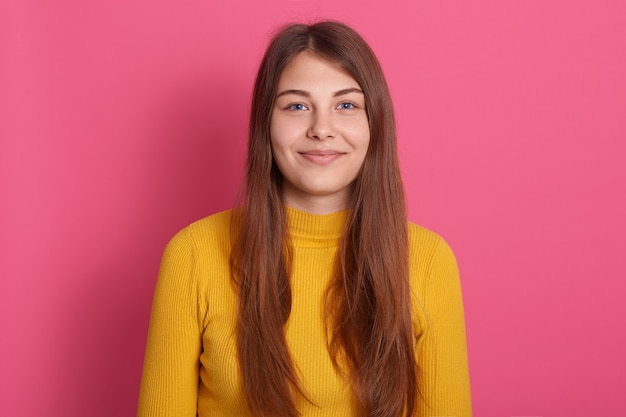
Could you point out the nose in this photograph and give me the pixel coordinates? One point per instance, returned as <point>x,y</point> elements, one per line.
<point>321,127</point>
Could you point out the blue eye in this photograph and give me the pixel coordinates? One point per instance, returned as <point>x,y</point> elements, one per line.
<point>346,106</point>
<point>297,106</point>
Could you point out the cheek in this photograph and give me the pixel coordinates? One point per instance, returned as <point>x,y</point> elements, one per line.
<point>363,138</point>
<point>282,133</point>
<point>277,133</point>
<point>273,131</point>
<point>359,131</point>
<point>280,150</point>
<point>278,144</point>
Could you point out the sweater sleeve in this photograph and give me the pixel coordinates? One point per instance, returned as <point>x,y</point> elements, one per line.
<point>169,383</point>
<point>442,350</point>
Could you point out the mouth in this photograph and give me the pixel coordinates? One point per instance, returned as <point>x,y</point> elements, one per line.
<point>319,157</point>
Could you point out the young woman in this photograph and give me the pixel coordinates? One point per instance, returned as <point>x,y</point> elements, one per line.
<point>316,297</point>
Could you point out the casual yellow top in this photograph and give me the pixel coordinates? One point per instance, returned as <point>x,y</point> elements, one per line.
<point>191,362</point>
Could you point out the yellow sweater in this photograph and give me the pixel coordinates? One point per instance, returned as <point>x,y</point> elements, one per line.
<point>190,364</point>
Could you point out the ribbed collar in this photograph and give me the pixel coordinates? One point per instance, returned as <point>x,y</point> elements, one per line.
<point>317,230</point>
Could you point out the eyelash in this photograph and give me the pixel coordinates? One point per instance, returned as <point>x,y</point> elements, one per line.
<point>294,107</point>
<point>341,106</point>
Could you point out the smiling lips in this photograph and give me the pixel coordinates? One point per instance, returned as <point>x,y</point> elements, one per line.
<point>321,157</point>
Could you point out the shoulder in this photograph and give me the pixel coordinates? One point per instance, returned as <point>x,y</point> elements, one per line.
<point>216,223</point>
<point>207,229</point>
<point>209,235</point>
<point>197,257</point>
<point>426,243</point>
<point>430,257</point>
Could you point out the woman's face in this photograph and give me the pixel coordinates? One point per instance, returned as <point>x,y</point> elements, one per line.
<point>319,134</point>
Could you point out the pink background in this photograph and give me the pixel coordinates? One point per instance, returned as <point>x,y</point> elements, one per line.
<point>123,121</point>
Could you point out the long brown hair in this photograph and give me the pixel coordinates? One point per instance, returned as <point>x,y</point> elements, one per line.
<point>368,302</point>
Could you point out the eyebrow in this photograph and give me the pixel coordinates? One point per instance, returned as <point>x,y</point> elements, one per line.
<point>307,94</point>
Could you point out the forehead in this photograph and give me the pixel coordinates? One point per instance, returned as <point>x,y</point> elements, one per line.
<point>310,71</point>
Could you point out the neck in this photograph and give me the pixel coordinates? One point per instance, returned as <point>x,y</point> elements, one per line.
<point>316,204</point>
